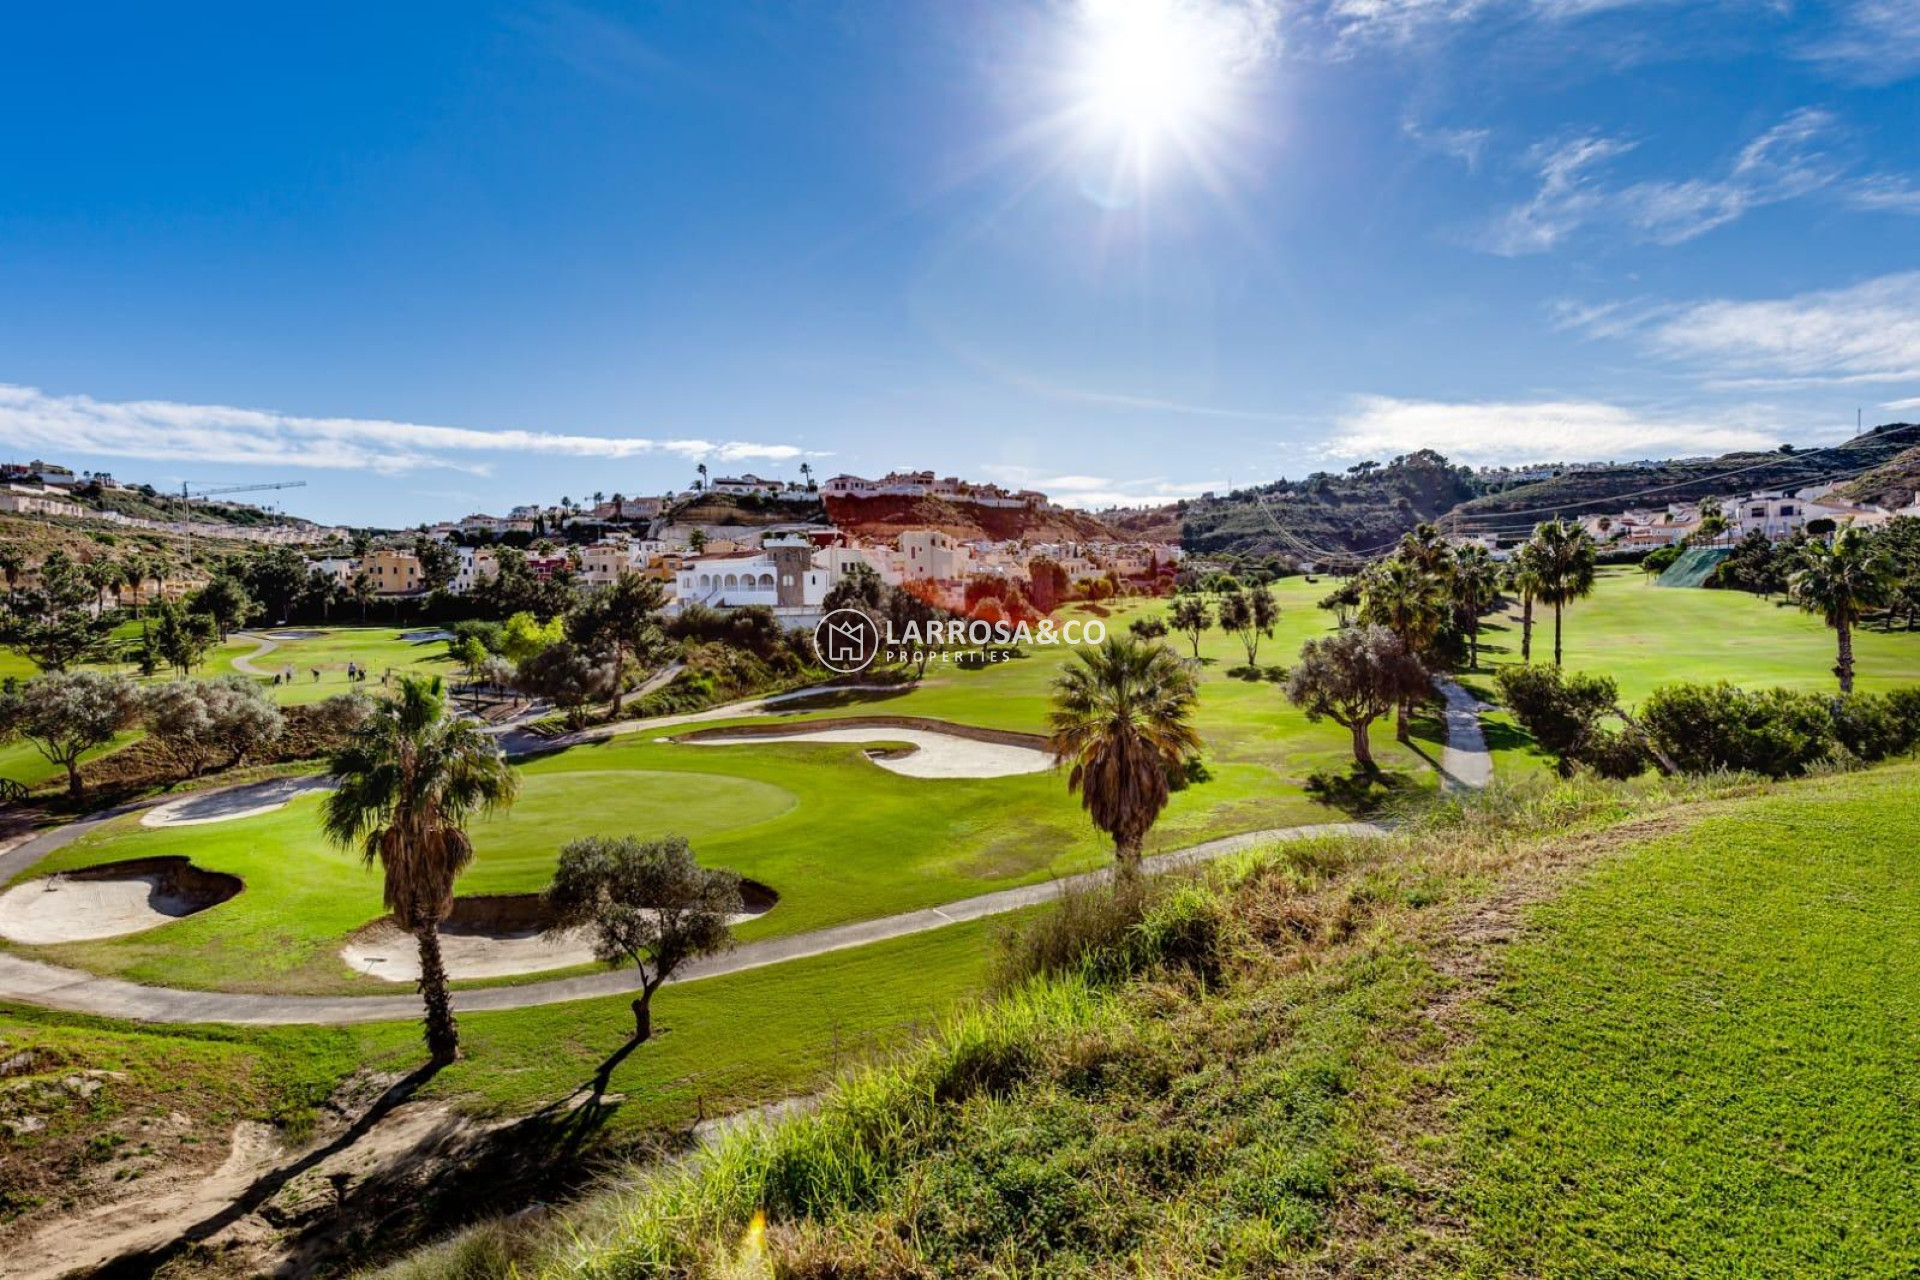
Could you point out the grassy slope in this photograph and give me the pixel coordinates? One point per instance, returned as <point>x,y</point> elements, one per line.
<point>1702,1061</point>
<point>1697,1063</point>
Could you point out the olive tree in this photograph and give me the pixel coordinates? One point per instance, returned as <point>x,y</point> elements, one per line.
<point>644,902</point>
<point>66,714</point>
<point>1354,677</point>
<point>201,722</point>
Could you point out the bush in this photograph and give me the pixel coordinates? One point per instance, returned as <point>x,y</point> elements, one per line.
<point>1111,931</point>
<point>1775,732</point>
<point>1564,713</point>
<point>1873,727</point>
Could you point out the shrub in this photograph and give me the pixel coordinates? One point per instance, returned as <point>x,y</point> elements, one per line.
<point>1564,713</point>
<point>1775,732</point>
<point>1112,930</point>
<point>1873,727</point>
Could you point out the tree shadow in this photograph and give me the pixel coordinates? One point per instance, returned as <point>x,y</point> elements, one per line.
<point>1358,793</point>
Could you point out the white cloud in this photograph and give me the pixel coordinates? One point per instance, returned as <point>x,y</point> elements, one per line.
<point>32,420</point>
<point>1088,492</point>
<point>1464,145</point>
<point>1876,41</point>
<point>1867,333</point>
<point>1786,162</point>
<point>1885,192</point>
<point>1499,432</point>
<point>1901,406</point>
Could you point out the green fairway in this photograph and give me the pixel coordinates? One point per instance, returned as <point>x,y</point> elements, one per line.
<point>328,650</point>
<point>1645,636</point>
<point>1701,1060</point>
<point>838,837</point>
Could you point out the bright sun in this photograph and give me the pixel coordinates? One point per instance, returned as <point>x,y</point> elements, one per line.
<point>1149,73</point>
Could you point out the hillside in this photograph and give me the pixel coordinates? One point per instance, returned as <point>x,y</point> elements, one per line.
<point>1588,492</point>
<point>1363,508</point>
<point>1892,484</point>
<point>887,517</point>
<point>739,509</point>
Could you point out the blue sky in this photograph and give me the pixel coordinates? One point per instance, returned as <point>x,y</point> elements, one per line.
<point>438,258</point>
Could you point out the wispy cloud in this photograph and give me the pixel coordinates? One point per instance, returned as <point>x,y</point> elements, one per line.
<point>1464,145</point>
<point>1875,41</point>
<point>1787,162</point>
<point>1494,432</point>
<point>32,420</point>
<point>1093,492</point>
<point>1867,333</point>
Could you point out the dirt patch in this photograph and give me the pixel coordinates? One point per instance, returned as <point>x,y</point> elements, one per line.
<point>110,900</point>
<point>494,936</point>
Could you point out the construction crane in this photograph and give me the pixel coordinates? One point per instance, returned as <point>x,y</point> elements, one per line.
<point>190,493</point>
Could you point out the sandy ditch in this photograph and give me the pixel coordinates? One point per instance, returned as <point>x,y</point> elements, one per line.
<point>933,752</point>
<point>233,803</point>
<point>493,936</point>
<point>110,900</point>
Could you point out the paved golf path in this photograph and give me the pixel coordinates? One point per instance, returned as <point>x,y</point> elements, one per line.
<point>1465,763</point>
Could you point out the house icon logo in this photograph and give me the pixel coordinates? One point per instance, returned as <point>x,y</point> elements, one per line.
<point>846,641</point>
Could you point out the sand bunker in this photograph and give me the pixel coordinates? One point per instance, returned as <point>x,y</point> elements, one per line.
<point>494,936</point>
<point>293,635</point>
<point>934,754</point>
<point>109,900</point>
<point>231,804</point>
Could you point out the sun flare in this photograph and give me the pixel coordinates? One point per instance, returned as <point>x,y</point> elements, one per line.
<point>1149,74</point>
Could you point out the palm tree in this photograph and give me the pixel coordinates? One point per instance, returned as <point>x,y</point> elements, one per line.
<point>1566,558</point>
<point>1840,581</point>
<point>1713,523</point>
<point>13,563</point>
<point>1410,602</point>
<point>103,575</point>
<point>806,475</point>
<point>134,566</point>
<point>1122,718</point>
<point>702,469</point>
<point>1474,580</point>
<point>1523,579</point>
<point>407,782</point>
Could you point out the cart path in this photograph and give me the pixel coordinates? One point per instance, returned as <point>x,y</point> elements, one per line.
<point>1465,761</point>
<point>55,987</point>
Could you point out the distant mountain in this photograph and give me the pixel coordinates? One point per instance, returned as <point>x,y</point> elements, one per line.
<point>1894,483</point>
<point>1591,492</point>
<point>1358,510</point>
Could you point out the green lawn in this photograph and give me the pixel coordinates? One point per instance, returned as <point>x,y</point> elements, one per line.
<point>1645,636</point>
<point>378,649</point>
<point>837,836</point>
<point>1701,1061</point>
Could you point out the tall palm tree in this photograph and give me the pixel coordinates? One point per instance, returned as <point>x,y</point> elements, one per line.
<point>1428,548</point>
<point>1474,580</point>
<point>407,782</point>
<point>1410,602</point>
<point>1566,559</point>
<point>1841,581</point>
<point>13,563</point>
<point>1122,719</point>
<point>134,566</point>
<point>1523,579</point>
<point>103,575</point>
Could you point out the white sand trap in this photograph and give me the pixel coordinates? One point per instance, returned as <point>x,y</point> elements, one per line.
<point>490,938</point>
<point>105,902</point>
<point>291,636</point>
<point>934,754</point>
<point>233,803</point>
